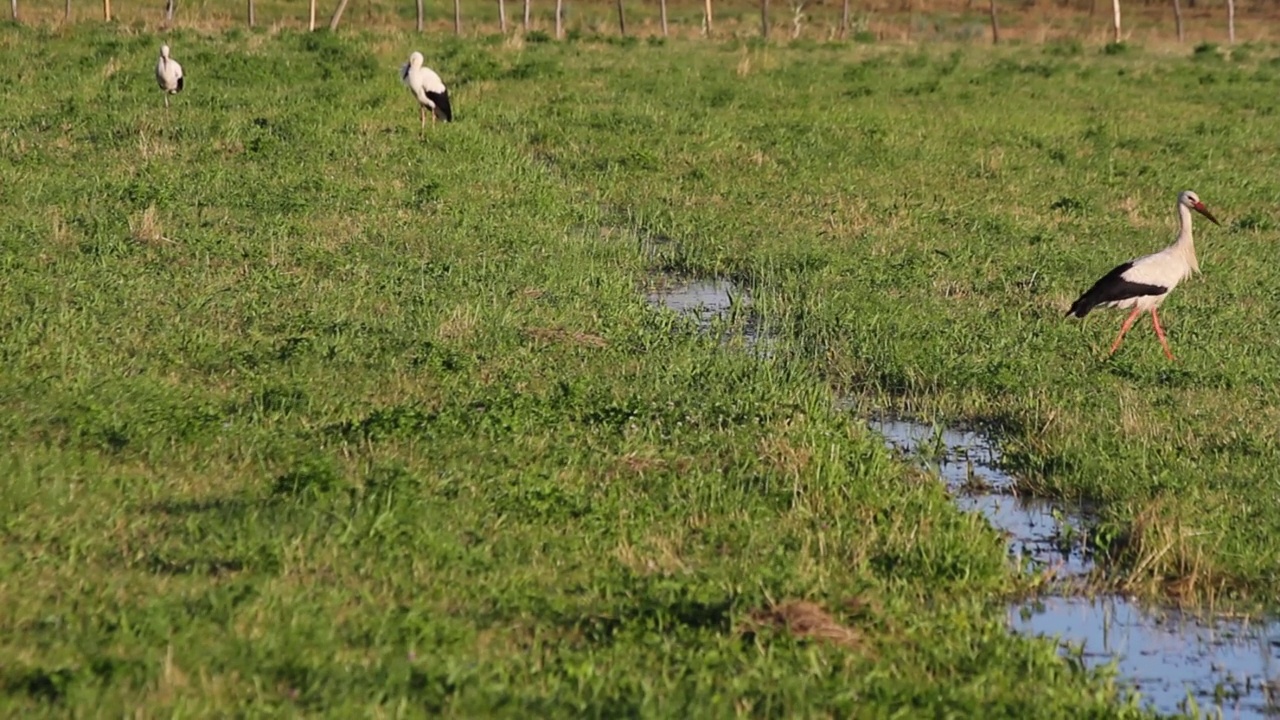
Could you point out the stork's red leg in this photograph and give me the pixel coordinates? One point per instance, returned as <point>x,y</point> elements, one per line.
<point>1155,320</point>
<point>1128,323</point>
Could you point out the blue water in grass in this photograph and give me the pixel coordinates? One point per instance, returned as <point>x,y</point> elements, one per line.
<point>1226,666</point>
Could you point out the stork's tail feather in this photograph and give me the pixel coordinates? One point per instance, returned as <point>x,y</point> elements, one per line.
<point>440,105</point>
<point>442,109</point>
<point>1111,287</point>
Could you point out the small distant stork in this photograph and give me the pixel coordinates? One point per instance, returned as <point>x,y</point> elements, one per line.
<point>1143,283</point>
<point>427,87</point>
<point>168,74</point>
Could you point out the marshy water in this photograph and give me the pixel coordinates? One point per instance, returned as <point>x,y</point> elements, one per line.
<point>707,301</point>
<point>1163,654</point>
<point>703,300</point>
<point>1224,664</point>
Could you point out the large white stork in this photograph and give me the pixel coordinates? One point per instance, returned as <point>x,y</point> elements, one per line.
<point>1143,283</point>
<point>427,87</point>
<point>168,74</point>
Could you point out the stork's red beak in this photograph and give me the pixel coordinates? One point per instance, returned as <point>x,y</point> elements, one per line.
<point>1200,208</point>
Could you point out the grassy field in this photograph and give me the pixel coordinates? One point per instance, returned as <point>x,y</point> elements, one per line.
<point>308,412</point>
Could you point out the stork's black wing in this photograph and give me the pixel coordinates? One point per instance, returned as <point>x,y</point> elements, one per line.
<point>1113,287</point>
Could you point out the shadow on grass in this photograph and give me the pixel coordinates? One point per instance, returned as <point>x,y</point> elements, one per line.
<point>220,506</point>
<point>52,685</point>
<point>211,566</point>
<point>646,614</point>
<point>1172,377</point>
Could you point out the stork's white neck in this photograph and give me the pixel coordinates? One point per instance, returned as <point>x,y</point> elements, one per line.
<point>1185,246</point>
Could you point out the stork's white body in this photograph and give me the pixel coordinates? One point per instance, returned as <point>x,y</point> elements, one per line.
<point>1163,269</point>
<point>1143,283</point>
<point>427,88</point>
<point>168,74</point>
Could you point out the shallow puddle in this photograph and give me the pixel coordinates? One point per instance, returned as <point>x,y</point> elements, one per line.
<point>1227,665</point>
<point>703,300</point>
<point>1040,535</point>
<point>1166,656</point>
<point>708,301</point>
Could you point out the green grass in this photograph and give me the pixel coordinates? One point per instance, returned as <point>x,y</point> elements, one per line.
<point>307,412</point>
<point>918,222</point>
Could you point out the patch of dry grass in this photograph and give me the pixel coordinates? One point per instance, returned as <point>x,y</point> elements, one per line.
<point>552,335</point>
<point>803,619</point>
<point>145,229</point>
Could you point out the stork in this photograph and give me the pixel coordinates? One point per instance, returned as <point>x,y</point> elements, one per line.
<point>427,87</point>
<point>1143,283</point>
<point>168,74</point>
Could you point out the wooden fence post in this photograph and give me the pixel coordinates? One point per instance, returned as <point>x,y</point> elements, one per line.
<point>420,11</point>
<point>662,4</point>
<point>502,16</point>
<point>106,10</point>
<point>457,17</point>
<point>995,24</point>
<point>764,19</point>
<point>622,20</point>
<point>1231,21</point>
<point>527,8</point>
<point>1115,19</point>
<point>252,15</point>
<point>559,19</point>
<point>337,15</point>
<point>1177,19</point>
<point>706,18</point>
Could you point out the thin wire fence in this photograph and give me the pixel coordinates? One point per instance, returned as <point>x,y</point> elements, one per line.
<point>830,20</point>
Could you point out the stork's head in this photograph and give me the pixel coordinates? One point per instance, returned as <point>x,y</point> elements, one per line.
<point>1192,201</point>
<point>164,51</point>
<point>415,60</point>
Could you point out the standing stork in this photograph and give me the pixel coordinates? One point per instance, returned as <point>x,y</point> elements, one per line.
<point>1143,283</point>
<point>168,74</point>
<point>427,87</point>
